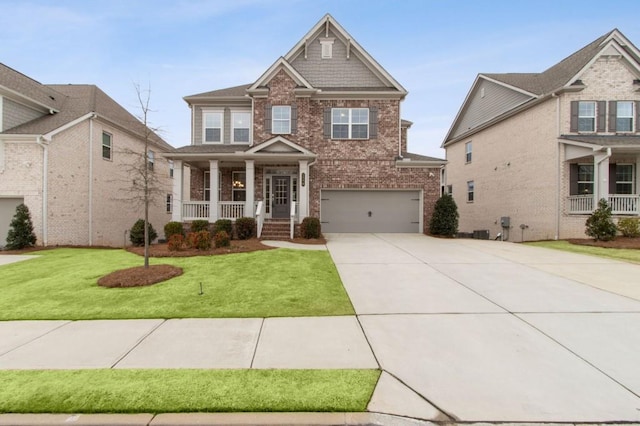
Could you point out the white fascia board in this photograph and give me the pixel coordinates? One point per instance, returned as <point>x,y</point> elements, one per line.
<point>614,43</point>
<point>463,108</point>
<point>26,100</point>
<point>281,63</point>
<point>51,134</point>
<point>509,86</point>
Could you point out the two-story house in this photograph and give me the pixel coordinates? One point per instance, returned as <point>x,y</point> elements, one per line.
<point>319,134</point>
<point>67,152</point>
<point>530,154</point>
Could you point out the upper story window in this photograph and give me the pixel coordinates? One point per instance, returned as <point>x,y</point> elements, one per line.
<point>624,116</point>
<point>350,123</point>
<point>241,125</point>
<point>213,122</point>
<point>586,116</point>
<point>150,159</point>
<point>171,168</point>
<point>106,146</point>
<point>468,149</point>
<point>281,119</point>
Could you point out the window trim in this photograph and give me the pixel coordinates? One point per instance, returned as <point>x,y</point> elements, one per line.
<point>350,124</point>
<point>238,190</point>
<point>151,159</point>
<point>594,118</point>
<point>169,203</point>
<point>206,112</point>
<point>468,151</point>
<point>233,127</point>
<point>110,147</point>
<point>632,117</point>
<point>275,120</point>
<point>471,190</point>
<point>171,168</point>
<point>591,182</point>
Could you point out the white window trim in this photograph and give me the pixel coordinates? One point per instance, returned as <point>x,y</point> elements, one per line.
<point>246,111</point>
<point>204,126</point>
<point>468,152</point>
<point>632,117</point>
<point>171,168</point>
<point>471,191</point>
<point>351,123</point>
<point>169,203</point>
<point>274,120</point>
<point>110,146</point>
<point>592,181</point>
<point>632,181</point>
<point>326,48</point>
<point>151,159</point>
<point>594,117</point>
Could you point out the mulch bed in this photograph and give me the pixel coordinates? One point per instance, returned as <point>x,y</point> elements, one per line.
<point>619,243</point>
<point>139,276</point>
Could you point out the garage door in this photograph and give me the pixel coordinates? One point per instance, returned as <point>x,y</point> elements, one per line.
<point>370,211</point>
<point>7,211</point>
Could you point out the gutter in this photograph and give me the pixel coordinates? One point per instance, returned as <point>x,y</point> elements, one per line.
<point>44,143</point>
<point>90,203</point>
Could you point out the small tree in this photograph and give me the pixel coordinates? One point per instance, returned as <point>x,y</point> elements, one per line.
<point>21,234</point>
<point>445,217</point>
<point>599,225</point>
<point>139,237</point>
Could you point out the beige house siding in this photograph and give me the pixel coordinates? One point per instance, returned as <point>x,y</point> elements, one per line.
<point>515,175</point>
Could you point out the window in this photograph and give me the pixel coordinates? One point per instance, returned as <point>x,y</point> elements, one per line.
<point>586,116</point>
<point>207,186</point>
<point>169,203</point>
<point>585,179</point>
<point>470,191</point>
<point>624,178</point>
<point>213,127</point>
<point>240,122</point>
<point>350,123</point>
<point>281,119</point>
<point>468,151</point>
<point>624,116</point>
<point>239,186</point>
<point>170,168</point>
<point>106,146</point>
<point>150,159</point>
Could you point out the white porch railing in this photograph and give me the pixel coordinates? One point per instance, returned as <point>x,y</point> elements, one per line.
<point>230,209</point>
<point>259,218</point>
<point>620,204</point>
<point>195,210</point>
<point>293,219</point>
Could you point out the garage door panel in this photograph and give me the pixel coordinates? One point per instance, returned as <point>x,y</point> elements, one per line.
<point>370,211</point>
<point>7,211</point>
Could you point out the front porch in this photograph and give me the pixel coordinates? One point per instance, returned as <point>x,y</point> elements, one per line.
<point>620,204</point>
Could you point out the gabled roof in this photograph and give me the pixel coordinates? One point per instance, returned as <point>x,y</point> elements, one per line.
<point>28,90</point>
<point>562,76</point>
<point>235,92</point>
<point>281,64</point>
<point>279,145</point>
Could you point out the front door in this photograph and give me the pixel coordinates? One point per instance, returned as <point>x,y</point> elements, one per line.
<point>281,202</point>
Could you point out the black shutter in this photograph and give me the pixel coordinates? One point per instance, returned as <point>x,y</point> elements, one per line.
<point>574,117</point>
<point>613,116</point>
<point>637,106</point>
<point>612,178</point>
<point>294,118</point>
<point>602,116</point>
<point>373,123</point>
<point>327,123</point>
<point>573,179</point>
<point>267,118</point>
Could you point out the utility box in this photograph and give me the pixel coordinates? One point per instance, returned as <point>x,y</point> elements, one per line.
<point>505,221</point>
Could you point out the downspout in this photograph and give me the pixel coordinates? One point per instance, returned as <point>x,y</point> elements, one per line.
<point>400,129</point>
<point>558,178</point>
<point>91,180</point>
<point>40,140</point>
<point>252,123</point>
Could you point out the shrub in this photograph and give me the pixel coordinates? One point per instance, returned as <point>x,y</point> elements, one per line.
<point>245,228</point>
<point>444,220</point>
<point>599,225</point>
<point>21,233</point>
<point>191,241</point>
<point>222,239</point>
<point>173,228</point>
<point>629,227</point>
<point>223,225</point>
<point>176,242</point>
<point>310,228</point>
<point>203,240</point>
<point>199,225</point>
<point>136,235</point>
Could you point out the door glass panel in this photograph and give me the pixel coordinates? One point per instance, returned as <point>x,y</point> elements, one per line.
<point>280,192</point>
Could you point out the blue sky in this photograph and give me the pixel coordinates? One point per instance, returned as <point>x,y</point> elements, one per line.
<point>434,49</point>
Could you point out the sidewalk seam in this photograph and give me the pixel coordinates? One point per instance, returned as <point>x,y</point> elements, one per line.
<point>142,339</point>
<point>67,322</point>
<point>255,350</point>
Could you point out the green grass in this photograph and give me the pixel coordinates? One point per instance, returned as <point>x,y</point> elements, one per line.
<point>627,255</point>
<point>163,391</point>
<point>62,284</point>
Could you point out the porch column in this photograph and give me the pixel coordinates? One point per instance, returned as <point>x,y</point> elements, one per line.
<point>178,194</point>
<point>213,190</point>
<point>303,193</point>
<point>601,177</point>
<point>250,190</point>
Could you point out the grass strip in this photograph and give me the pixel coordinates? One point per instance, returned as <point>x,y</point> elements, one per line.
<point>626,255</point>
<point>62,284</point>
<point>173,391</point>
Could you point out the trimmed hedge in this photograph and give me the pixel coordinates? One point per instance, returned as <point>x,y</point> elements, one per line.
<point>199,225</point>
<point>310,228</point>
<point>173,228</point>
<point>136,235</point>
<point>222,239</point>
<point>245,228</point>
<point>223,225</point>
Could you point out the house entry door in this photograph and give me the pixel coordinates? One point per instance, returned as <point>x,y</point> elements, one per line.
<point>281,201</point>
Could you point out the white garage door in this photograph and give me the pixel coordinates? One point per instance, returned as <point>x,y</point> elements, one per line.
<point>370,211</point>
<point>7,211</point>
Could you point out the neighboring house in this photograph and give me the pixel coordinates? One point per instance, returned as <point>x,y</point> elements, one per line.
<point>65,152</point>
<point>318,134</point>
<point>540,149</point>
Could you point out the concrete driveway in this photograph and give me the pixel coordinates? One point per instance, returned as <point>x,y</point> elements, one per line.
<point>489,331</point>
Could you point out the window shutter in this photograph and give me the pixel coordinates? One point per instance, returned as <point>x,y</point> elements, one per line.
<point>637,107</point>
<point>612,178</point>
<point>373,123</point>
<point>327,123</point>
<point>294,118</point>
<point>613,115</point>
<point>267,118</point>
<point>602,116</point>
<point>573,179</point>
<point>574,121</point>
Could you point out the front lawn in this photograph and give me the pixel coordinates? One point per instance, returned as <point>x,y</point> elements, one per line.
<point>172,391</point>
<point>627,255</point>
<point>61,284</point>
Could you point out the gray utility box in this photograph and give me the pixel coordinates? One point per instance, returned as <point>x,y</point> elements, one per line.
<point>505,221</point>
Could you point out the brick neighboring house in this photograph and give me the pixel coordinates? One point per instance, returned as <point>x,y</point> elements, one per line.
<point>540,149</point>
<point>318,134</point>
<point>63,152</point>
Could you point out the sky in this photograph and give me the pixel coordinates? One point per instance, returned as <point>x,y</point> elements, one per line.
<point>435,49</point>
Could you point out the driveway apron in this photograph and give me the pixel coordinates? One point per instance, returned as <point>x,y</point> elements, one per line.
<point>487,331</point>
